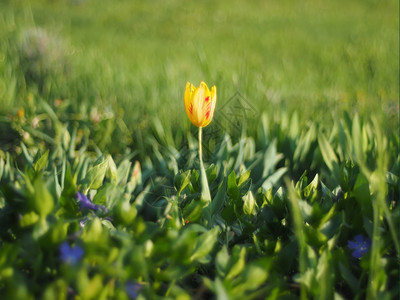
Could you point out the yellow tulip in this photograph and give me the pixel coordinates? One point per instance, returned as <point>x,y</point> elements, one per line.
<point>200,103</point>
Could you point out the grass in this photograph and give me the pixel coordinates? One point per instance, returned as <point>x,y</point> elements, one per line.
<point>101,192</point>
<point>342,55</point>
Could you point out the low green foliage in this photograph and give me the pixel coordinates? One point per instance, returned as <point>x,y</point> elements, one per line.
<point>77,222</point>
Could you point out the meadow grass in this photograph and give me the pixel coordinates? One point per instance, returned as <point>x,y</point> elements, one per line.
<point>304,56</point>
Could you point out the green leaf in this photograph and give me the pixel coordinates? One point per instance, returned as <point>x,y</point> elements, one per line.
<point>68,194</point>
<point>303,148</point>
<point>56,234</point>
<point>181,181</point>
<point>244,177</point>
<point>26,154</point>
<point>95,176</point>
<point>109,195</point>
<point>348,277</point>
<point>253,276</point>
<point>123,171</point>
<point>193,211</point>
<point>205,190</point>
<point>220,290</point>
<point>311,189</point>
<point>41,163</point>
<point>314,237</point>
<point>28,219</point>
<point>274,178</point>
<point>331,222</point>
<point>392,179</point>
<point>324,276</point>
<point>125,212</point>
<point>228,213</point>
<point>205,243</point>
<point>269,159</point>
<point>244,188</point>
<point>136,178</point>
<point>93,232</point>
<point>222,261</point>
<point>47,108</point>
<point>328,154</point>
<point>219,199</point>
<point>263,132</point>
<point>41,135</point>
<point>358,141</point>
<point>194,180</point>
<point>236,263</point>
<point>233,189</point>
<point>249,203</point>
<point>42,200</point>
<point>212,172</point>
<point>362,194</point>
<point>112,170</point>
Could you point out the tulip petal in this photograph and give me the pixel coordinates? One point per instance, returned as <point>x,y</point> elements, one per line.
<point>188,100</point>
<point>209,107</point>
<point>213,102</point>
<point>188,95</point>
<point>200,103</point>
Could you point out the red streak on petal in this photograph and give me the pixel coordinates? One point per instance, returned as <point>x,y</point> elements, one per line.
<point>207,114</point>
<point>207,98</point>
<point>191,108</point>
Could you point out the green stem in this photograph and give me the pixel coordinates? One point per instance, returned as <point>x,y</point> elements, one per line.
<point>205,190</point>
<point>374,281</point>
<point>200,145</point>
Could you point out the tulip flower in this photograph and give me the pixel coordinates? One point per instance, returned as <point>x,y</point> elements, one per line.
<point>200,103</point>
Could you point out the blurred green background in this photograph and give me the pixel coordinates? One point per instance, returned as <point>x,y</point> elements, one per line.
<point>133,58</point>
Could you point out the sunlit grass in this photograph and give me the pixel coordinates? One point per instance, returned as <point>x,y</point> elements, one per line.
<point>302,55</point>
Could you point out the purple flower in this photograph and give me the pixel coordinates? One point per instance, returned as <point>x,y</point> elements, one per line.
<point>132,289</point>
<point>360,246</point>
<point>85,202</point>
<point>70,255</point>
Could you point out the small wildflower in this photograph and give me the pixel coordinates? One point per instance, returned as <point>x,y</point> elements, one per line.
<point>25,135</point>
<point>360,246</point>
<point>35,122</point>
<point>71,255</point>
<point>132,289</point>
<point>95,116</point>
<point>85,202</point>
<point>20,113</point>
<point>58,102</point>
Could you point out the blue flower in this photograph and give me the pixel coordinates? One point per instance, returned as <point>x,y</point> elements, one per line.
<point>132,289</point>
<point>71,255</point>
<point>360,246</point>
<point>85,202</point>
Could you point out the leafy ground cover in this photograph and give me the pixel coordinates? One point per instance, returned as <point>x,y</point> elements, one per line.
<point>100,183</point>
<point>75,222</point>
